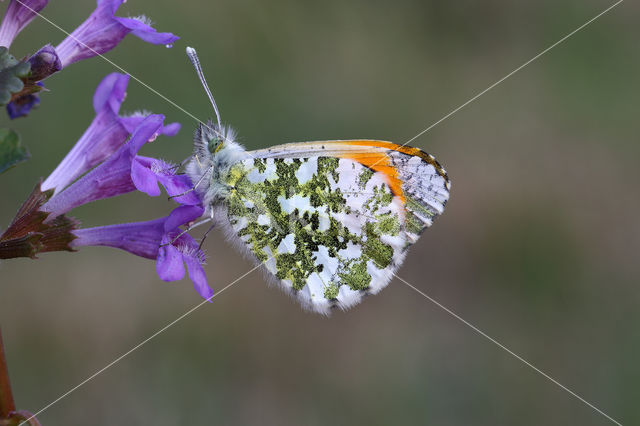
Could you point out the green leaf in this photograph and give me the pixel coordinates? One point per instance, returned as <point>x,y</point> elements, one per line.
<point>11,73</point>
<point>11,153</point>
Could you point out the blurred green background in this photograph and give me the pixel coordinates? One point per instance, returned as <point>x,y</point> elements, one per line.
<point>538,247</point>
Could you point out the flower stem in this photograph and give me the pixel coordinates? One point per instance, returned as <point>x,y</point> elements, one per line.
<point>7,405</point>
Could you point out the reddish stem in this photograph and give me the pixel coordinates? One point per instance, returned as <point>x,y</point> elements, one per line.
<point>7,405</point>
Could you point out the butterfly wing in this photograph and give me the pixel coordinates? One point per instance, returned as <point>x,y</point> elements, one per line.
<point>332,220</point>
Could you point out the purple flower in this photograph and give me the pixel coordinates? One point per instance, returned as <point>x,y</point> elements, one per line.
<point>102,31</point>
<point>156,239</point>
<point>124,171</point>
<point>18,16</point>
<point>147,173</point>
<point>99,33</point>
<point>140,238</point>
<point>43,63</point>
<point>21,106</point>
<point>176,251</point>
<point>110,178</point>
<point>107,132</point>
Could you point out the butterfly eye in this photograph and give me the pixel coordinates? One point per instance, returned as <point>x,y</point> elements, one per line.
<point>213,144</point>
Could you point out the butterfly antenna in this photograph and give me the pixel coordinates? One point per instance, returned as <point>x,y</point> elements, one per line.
<point>193,57</point>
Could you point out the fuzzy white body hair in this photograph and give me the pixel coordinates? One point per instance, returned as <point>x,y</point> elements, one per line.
<point>206,167</point>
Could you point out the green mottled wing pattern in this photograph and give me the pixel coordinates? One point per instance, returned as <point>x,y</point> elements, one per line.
<point>329,230</point>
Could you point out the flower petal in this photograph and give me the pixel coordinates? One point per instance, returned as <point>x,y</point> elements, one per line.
<point>95,36</point>
<point>145,132</point>
<point>171,129</point>
<point>143,178</point>
<point>181,184</point>
<point>109,179</point>
<point>132,121</point>
<point>145,32</point>
<point>18,16</point>
<point>101,139</point>
<point>102,31</point>
<point>111,92</point>
<point>178,187</point>
<point>22,106</point>
<point>110,5</point>
<point>140,238</point>
<point>199,278</point>
<point>44,63</point>
<point>169,265</point>
<point>181,215</point>
<point>106,133</point>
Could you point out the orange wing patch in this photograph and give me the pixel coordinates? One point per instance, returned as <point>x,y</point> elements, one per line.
<point>379,162</point>
<point>373,154</point>
<point>409,150</point>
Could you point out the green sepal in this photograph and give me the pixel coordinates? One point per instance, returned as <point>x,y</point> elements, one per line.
<point>32,231</point>
<point>12,72</point>
<point>11,152</point>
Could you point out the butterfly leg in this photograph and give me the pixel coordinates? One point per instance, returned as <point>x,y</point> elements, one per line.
<point>204,175</point>
<point>204,237</point>
<point>179,165</point>
<point>189,228</point>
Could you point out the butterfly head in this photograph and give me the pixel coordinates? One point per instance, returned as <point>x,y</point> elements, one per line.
<point>208,135</point>
<point>213,137</point>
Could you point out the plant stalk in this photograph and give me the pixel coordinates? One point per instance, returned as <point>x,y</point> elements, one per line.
<point>7,405</point>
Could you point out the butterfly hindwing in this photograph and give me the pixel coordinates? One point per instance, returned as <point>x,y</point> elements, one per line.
<point>332,222</point>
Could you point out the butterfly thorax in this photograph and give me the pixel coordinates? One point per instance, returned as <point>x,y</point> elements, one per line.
<point>214,153</point>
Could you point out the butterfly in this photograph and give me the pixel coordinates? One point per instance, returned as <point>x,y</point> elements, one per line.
<point>329,221</point>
